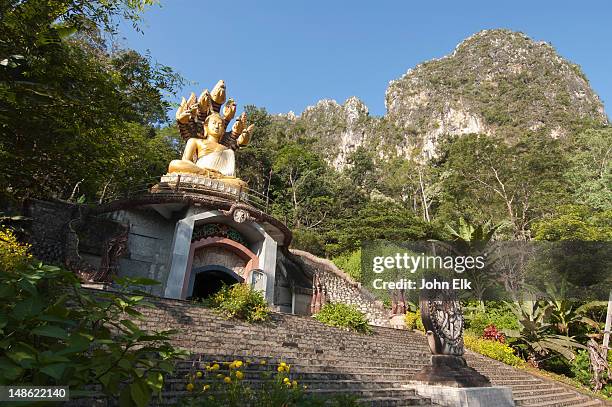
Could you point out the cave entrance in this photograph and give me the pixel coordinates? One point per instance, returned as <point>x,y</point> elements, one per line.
<point>208,280</point>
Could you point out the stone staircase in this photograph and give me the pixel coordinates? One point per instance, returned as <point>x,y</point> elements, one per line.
<point>375,368</point>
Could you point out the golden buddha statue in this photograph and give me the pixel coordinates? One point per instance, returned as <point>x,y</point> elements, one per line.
<point>210,149</point>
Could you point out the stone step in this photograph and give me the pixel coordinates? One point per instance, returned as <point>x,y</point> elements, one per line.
<point>556,399</point>
<point>406,397</point>
<point>394,402</point>
<point>341,385</point>
<point>570,402</point>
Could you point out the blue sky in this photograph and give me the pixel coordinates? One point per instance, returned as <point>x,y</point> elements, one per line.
<point>286,55</point>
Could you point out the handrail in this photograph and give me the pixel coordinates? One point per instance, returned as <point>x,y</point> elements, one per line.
<point>116,191</point>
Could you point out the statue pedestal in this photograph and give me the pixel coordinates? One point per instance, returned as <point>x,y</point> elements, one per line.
<point>200,182</point>
<point>453,371</point>
<point>449,381</point>
<point>465,397</point>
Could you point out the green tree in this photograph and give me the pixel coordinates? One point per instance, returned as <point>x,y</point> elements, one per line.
<point>300,171</point>
<point>70,109</point>
<point>590,172</point>
<point>575,222</point>
<point>486,178</point>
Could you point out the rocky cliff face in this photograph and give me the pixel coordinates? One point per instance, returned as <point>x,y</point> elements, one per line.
<point>496,82</point>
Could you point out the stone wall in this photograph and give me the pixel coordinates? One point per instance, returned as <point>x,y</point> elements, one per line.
<point>149,245</point>
<point>340,287</point>
<point>48,229</point>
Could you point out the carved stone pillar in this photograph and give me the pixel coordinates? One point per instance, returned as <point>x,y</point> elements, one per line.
<point>443,321</point>
<point>318,294</point>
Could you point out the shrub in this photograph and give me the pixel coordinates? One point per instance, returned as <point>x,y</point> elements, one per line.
<point>350,263</point>
<point>56,333</point>
<point>240,301</point>
<point>308,240</point>
<point>491,333</point>
<point>13,254</point>
<point>411,320</point>
<point>581,369</point>
<point>419,322</point>
<point>493,349</point>
<point>477,322</point>
<point>343,316</point>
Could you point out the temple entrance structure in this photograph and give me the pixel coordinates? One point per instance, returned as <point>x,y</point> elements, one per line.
<point>193,229</point>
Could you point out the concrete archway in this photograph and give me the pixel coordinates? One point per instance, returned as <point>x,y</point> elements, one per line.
<point>263,246</point>
<point>250,259</point>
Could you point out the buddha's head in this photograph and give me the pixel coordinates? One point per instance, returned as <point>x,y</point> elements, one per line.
<point>215,126</point>
<point>218,92</point>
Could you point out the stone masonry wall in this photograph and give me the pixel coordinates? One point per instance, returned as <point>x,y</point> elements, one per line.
<point>342,288</point>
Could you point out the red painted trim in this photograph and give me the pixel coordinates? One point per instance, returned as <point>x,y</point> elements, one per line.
<point>252,261</point>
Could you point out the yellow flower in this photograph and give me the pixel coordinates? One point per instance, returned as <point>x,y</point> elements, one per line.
<point>208,368</point>
<point>215,366</point>
<point>238,363</point>
<point>286,380</point>
<point>189,387</point>
<point>227,379</point>
<point>205,387</point>
<point>263,362</point>
<point>294,383</point>
<point>239,375</point>
<point>283,364</point>
<point>198,374</point>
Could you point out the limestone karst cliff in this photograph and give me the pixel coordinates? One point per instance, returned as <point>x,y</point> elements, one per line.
<point>496,82</point>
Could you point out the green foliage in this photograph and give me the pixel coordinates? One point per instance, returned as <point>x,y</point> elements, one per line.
<point>343,316</point>
<point>56,333</point>
<point>493,349</point>
<point>487,179</point>
<point>308,240</point>
<point>240,301</point>
<point>581,367</point>
<point>91,114</point>
<point>590,173</point>
<point>350,263</point>
<point>575,222</point>
<point>13,254</point>
<point>503,319</point>
<point>581,371</point>
<point>419,322</point>
<point>229,385</point>
<point>376,221</point>
<point>478,317</point>
<point>534,339</point>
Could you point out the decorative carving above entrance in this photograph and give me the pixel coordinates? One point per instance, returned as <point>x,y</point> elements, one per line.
<point>217,230</point>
